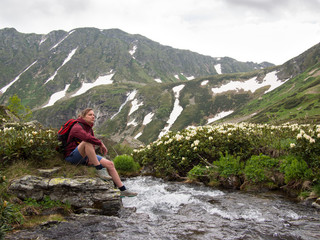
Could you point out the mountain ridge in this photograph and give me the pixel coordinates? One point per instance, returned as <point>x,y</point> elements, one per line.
<point>136,99</point>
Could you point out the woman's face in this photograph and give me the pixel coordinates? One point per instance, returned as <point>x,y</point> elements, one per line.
<point>89,117</point>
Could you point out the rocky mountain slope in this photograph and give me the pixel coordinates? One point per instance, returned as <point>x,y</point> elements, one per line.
<point>140,89</point>
<point>37,66</point>
<point>295,101</point>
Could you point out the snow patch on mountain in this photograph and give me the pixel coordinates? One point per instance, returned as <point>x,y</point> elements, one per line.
<point>205,82</point>
<point>43,39</point>
<point>272,80</point>
<point>219,116</point>
<point>158,80</point>
<point>5,88</point>
<point>176,111</point>
<point>102,80</point>
<point>62,40</point>
<point>133,122</point>
<point>133,51</point>
<point>252,84</point>
<point>64,62</point>
<point>138,135</point>
<point>148,118</point>
<point>218,68</point>
<point>135,106</point>
<point>130,97</point>
<point>57,96</point>
<point>188,78</point>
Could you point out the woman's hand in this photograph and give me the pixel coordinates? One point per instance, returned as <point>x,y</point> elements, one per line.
<point>103,149</point>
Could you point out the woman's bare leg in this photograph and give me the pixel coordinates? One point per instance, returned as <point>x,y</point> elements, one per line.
<point>87,149</point>
<point>109,165</point>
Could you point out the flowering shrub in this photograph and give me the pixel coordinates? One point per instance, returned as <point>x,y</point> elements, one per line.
<point>307,145</point>
<point>23,141</point>
<point>176,153</point>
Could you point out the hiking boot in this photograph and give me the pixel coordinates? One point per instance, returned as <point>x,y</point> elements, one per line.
<point>103,174</point>
<point>127,193</point>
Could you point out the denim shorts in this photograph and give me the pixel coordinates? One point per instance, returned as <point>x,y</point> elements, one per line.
<point>76,158</point>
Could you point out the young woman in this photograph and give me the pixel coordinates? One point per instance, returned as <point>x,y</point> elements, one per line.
<point>81,150</point>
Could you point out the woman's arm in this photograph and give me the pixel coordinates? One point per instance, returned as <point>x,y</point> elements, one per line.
<point>78,132</point>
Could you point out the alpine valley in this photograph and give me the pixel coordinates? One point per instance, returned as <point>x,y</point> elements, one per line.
<point>141,89</point>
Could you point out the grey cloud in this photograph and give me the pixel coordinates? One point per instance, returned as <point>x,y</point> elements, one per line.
<point>59,7</point>
<point>274,6</point>
<point>16,8</point>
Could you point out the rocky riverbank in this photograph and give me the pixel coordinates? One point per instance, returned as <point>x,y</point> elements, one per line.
<point>82,193</point>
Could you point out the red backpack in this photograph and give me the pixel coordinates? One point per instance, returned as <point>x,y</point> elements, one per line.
<point>64,131</point>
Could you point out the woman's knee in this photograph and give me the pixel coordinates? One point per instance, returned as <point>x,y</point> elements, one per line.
<point>107,163</point>
<point>83,148</point>
<point>85,145</point>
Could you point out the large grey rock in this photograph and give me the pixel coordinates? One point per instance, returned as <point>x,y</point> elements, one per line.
<point>79,192</point>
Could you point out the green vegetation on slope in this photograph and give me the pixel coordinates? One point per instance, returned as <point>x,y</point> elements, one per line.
<point>296,100</point>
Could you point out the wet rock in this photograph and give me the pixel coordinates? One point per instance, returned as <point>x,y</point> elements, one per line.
<point>232,182</point>
<point>306,185</point>
<point>79,192</point>
<point>48,172</point>
<point>80,227</point>
<point>316,204</point>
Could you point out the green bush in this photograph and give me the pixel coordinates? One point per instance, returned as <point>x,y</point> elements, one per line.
<point>229,165</point>
<point>316,188</point>
<point>197,172</point>
<point>15,106</point>
<point>125,164</point>
<point>9,215</point>
<point>46,203</point>
<point>119,149</point>
<point>3,186</point>
<point>295,169</point>
<point>259,168</point>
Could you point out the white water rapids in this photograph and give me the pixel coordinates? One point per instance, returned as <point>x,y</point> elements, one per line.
<point>182,211</point>
<point>174,211</point>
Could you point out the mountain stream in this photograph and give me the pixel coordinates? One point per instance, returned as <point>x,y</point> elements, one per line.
<point>169,210</point>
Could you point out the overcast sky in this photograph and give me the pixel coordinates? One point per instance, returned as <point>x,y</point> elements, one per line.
<point>246,30</point>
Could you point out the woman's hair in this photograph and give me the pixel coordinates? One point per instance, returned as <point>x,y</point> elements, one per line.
<point>84,112</point>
